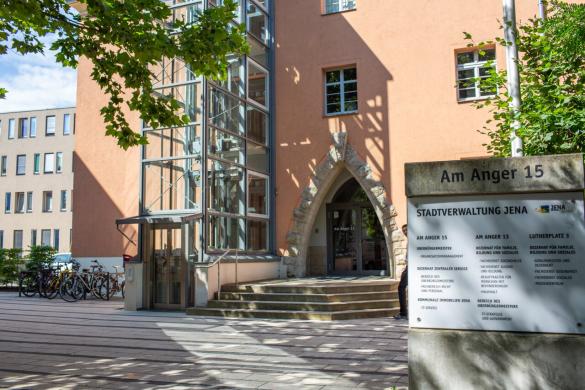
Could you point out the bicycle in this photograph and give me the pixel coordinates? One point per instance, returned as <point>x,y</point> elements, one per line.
<point>117,283</point>
<point>76,285</point>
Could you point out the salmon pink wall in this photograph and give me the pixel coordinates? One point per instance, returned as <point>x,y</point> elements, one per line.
<point>408,109</point>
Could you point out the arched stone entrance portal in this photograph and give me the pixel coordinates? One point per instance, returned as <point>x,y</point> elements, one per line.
<point>341,158</point>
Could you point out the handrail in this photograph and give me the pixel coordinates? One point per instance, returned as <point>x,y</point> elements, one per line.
<point>218,262</point>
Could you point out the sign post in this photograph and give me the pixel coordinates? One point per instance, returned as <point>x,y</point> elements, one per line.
<point>496,272</point>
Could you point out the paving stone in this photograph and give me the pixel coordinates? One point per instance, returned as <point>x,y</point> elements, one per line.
<point>93,344</point>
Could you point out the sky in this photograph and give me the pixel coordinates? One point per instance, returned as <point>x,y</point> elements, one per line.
<point>35,81</point>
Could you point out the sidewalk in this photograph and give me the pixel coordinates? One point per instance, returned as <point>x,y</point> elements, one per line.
<point>96,344</point>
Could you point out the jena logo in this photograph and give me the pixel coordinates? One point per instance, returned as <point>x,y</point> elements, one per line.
<point>563,207</point>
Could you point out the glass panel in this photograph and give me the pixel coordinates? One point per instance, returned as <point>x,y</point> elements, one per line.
<point>33,127</point>
<point>160,257</point>
<point>350,106</point>
<point>19,203</point>
<point>257,235</point>
<point>66,124</point>
<point>234,81</point>
<point>465,58</point>
<point>17,239</point>
<point>257,157</point>
<point>344,240</point>
<point>257,84</point>
<point>187,14</point>
<point>59,164</point>
<point>257,195</point>
<point>226,232</point>
<point>23,128</point>
<point>258,52</point>
<point>50,125</point>
<point>331,6</point>
<point>333,76</point>
<point>257,22</point>
<point>349,74</point>
<point>171,185</point>
<point>333,108</point>
<point>226,112</point>
<point>21,164</point>
<point>189,97</point>
<point>175,142</point>
<point>37,163</point>
<point>373,242</point>
<point>174,71</point>
<point>45,237</point>
<point>333,89</point>
<point>465,74</point>
<point>226,146</point>
<point>487,55</point>
<point>49,163</point>
<point>11,127</point>
<point>467,93</point>
<point>257,125</point>
<point>226,187</point>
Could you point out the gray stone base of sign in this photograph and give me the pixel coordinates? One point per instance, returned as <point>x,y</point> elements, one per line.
<point>448,359</point>
<point>341,156</point>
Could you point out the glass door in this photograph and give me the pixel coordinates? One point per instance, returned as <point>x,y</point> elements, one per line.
<point>373,248</point>
<point>168,264</point>
<point>344,241</point>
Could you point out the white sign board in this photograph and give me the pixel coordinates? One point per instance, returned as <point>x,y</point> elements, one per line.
<point>497,262</point>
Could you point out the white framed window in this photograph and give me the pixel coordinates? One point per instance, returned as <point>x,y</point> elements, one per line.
<point>333,6</point>
<point>341,94</point>
<point>50,125</point>
<point>49,163</point>
<point>21,164</point>
<point>66,124</point>
<point>29,202</point>
<point>19,202</point>
<point>11,128</point>
<point>59,162</point>
<point>257,83</point>
<point>46,237</point>
<point>257,194</point>
<point>33,127</point>
<point>47,201</point>
<point>471,66</point>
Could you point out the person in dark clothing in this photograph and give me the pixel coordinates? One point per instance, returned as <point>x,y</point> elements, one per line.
<point>403,284</point>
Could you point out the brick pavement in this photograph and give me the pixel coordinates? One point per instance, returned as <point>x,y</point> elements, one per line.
<point>95,344</point>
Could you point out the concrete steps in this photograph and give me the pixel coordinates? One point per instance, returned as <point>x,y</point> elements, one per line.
<point>305,300</point>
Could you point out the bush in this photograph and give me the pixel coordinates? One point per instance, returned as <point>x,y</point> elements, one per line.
<point>10,260</point>
<point>39,257</point>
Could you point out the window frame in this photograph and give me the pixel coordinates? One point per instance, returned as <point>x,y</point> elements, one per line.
<point>476,65</point>
<point>43,231</point>
<point>58,162</point>
<point>3,165</point>
<point>47,133</point>
<point>67,128</point>
<point>32,125</point>
<point>340,7</point>
<point>29,201</point>
<point>63,200</point>
<point>47,206</point>
<point>19,203</point>
<point>267,194</point>
<point>7,202</point>
<point>45,163</point>
<point>23,129</point>
<point>18,158</point>
<point>11,131</point>
<point>341,84</point>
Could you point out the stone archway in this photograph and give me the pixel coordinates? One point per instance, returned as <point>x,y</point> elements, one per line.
<point>341,156</point>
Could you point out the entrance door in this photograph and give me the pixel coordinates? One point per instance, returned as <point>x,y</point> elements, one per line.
<point>168,268</point>
<point>355,240</point>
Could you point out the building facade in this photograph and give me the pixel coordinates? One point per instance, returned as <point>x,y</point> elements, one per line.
<point>36,178</point>
<point>296,160</point>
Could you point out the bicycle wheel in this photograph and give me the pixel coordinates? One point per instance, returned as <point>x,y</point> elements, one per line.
<point>123,288</point>
<point>69,290</point>
<point>99,287</point>
<point>30,285</point>
<point>52,289</point>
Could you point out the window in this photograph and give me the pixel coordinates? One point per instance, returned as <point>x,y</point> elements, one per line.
<point>29,202</point>
<point>7,202</point>
<point>50,125</point>
<point>256,125</point>
<point>19,202</point>
<point>257,194</point>
<point>33,237</point>
<point>56,239</point>
<point>257,84</point>
<point>49,163</point>
<point>33,127</point>
<point>341,95</point>
<point>21,164</point>
<point>471,66</point>
<point>47,201</point>
<point>3,165</point>
<point>66,124</point>
<point>10,128</point>
<point>23,128</point>
<point>46,237</point>
<point>37,163</point>
<point>64,200</point>
<point>17,243</point>
<point>1,239</point>
<point>333,6</point>
<point>59,165</point>
<point>257,22</point>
